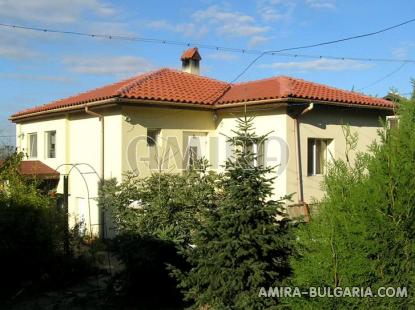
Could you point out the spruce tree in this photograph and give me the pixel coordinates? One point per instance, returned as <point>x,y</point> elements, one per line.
<point>243,244</point>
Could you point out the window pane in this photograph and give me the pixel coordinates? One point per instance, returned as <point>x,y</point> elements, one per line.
<point>318,157</point>
<point>261,154</point>
<point>393,122</point>
<point>310,156</point>
<point>323,155</point>
<point>51,147</point>
<point>193,156</point>
<point>152,136</point>
<point>33,145</point>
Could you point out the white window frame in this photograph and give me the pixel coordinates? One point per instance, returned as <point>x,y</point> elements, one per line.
<point>198,150</point>
<point>390,118</point>
<point>259,150</point>
<point>323,161</point>
<point>29,145</point>
<point>48,150</point>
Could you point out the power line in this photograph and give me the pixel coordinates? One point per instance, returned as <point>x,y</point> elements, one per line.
<point>239,50</point>
<point>384,77</point>
<point>207,46</point>
<point>131,38</point>
<point>319,44</point>
<point>343,58</point>
<point>311,46</point>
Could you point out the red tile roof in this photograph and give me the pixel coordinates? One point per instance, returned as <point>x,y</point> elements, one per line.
<point>35,168</point>
<point>175,86</point>
<point>162,85</point>
<point>191,53</point>
<point>286,87</point>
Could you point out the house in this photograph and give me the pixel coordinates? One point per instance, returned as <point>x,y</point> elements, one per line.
<point>163,120</point>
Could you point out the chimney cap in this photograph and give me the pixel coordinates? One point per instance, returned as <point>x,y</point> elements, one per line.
<point>191,53</point>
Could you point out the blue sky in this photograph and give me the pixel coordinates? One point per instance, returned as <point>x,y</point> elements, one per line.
<point>36,68</point>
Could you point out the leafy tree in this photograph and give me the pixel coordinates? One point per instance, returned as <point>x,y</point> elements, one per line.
<point>413,90</point>
<point>31,230</point>
<point>6,151</point>
<point>165,206</point>
<point>154,217</point>
<point>363,232</point>
<point>240,245</point>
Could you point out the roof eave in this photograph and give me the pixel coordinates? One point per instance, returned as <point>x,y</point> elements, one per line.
<point>78,107</point>
<point>204,106</point>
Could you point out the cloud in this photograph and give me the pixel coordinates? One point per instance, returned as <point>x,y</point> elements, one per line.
<point>319,65</point>
<point>402,51</point>
<point>232,24</point>
<point>256,40</point>
<point>33,77</point>
<point>225,23</point>
<point>54,11</point>
<point>222,56</point>
<point>15,52</point>
<point>321,4</point>
<point>186,29</point>
<point>119,66</point>
<point>14,45</point>
<point>275,10</point>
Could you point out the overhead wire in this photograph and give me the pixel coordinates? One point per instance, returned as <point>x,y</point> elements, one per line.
<point>319,44</point>
<point>396,70</point>
<point>217,47</point>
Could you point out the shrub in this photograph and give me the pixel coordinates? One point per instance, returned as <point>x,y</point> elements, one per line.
<point>31,230</point>
<point>165,206</point>
<point>145,281</point>
<point>154,217</point>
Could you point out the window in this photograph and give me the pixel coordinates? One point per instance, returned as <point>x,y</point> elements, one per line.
<point>32,137</point>
<point>51,144</point>
<point>196,148</point>
<point>153,137</point>
<point>317,150</point>
<point>193,157</point>
<point>393,121</point>
<point>258,152</point>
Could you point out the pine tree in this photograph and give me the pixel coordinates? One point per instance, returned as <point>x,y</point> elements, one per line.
<point>363,232</point>
<point>240,246</point>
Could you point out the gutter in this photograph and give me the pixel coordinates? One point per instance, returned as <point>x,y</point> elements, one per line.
<point>102,172</point>
<point>298,152</point>
<point>101,119</point>
<point>66,109</point>
<point>118,100</point>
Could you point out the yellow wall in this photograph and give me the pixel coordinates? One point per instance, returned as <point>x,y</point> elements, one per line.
<point>272,122</point>
<point>173,124</point>
<point>79,142</point>
<point>325,122</point>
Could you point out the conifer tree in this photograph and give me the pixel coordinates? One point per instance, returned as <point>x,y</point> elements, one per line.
<point>243,244</point>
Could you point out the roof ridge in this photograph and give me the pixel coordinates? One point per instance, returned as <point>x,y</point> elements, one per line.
<point>138,80</point>
<point>262,80</point>
<point>196,75</point>
<point>224,92</point>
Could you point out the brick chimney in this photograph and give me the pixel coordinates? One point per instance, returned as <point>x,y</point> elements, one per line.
<point>191,61</point>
